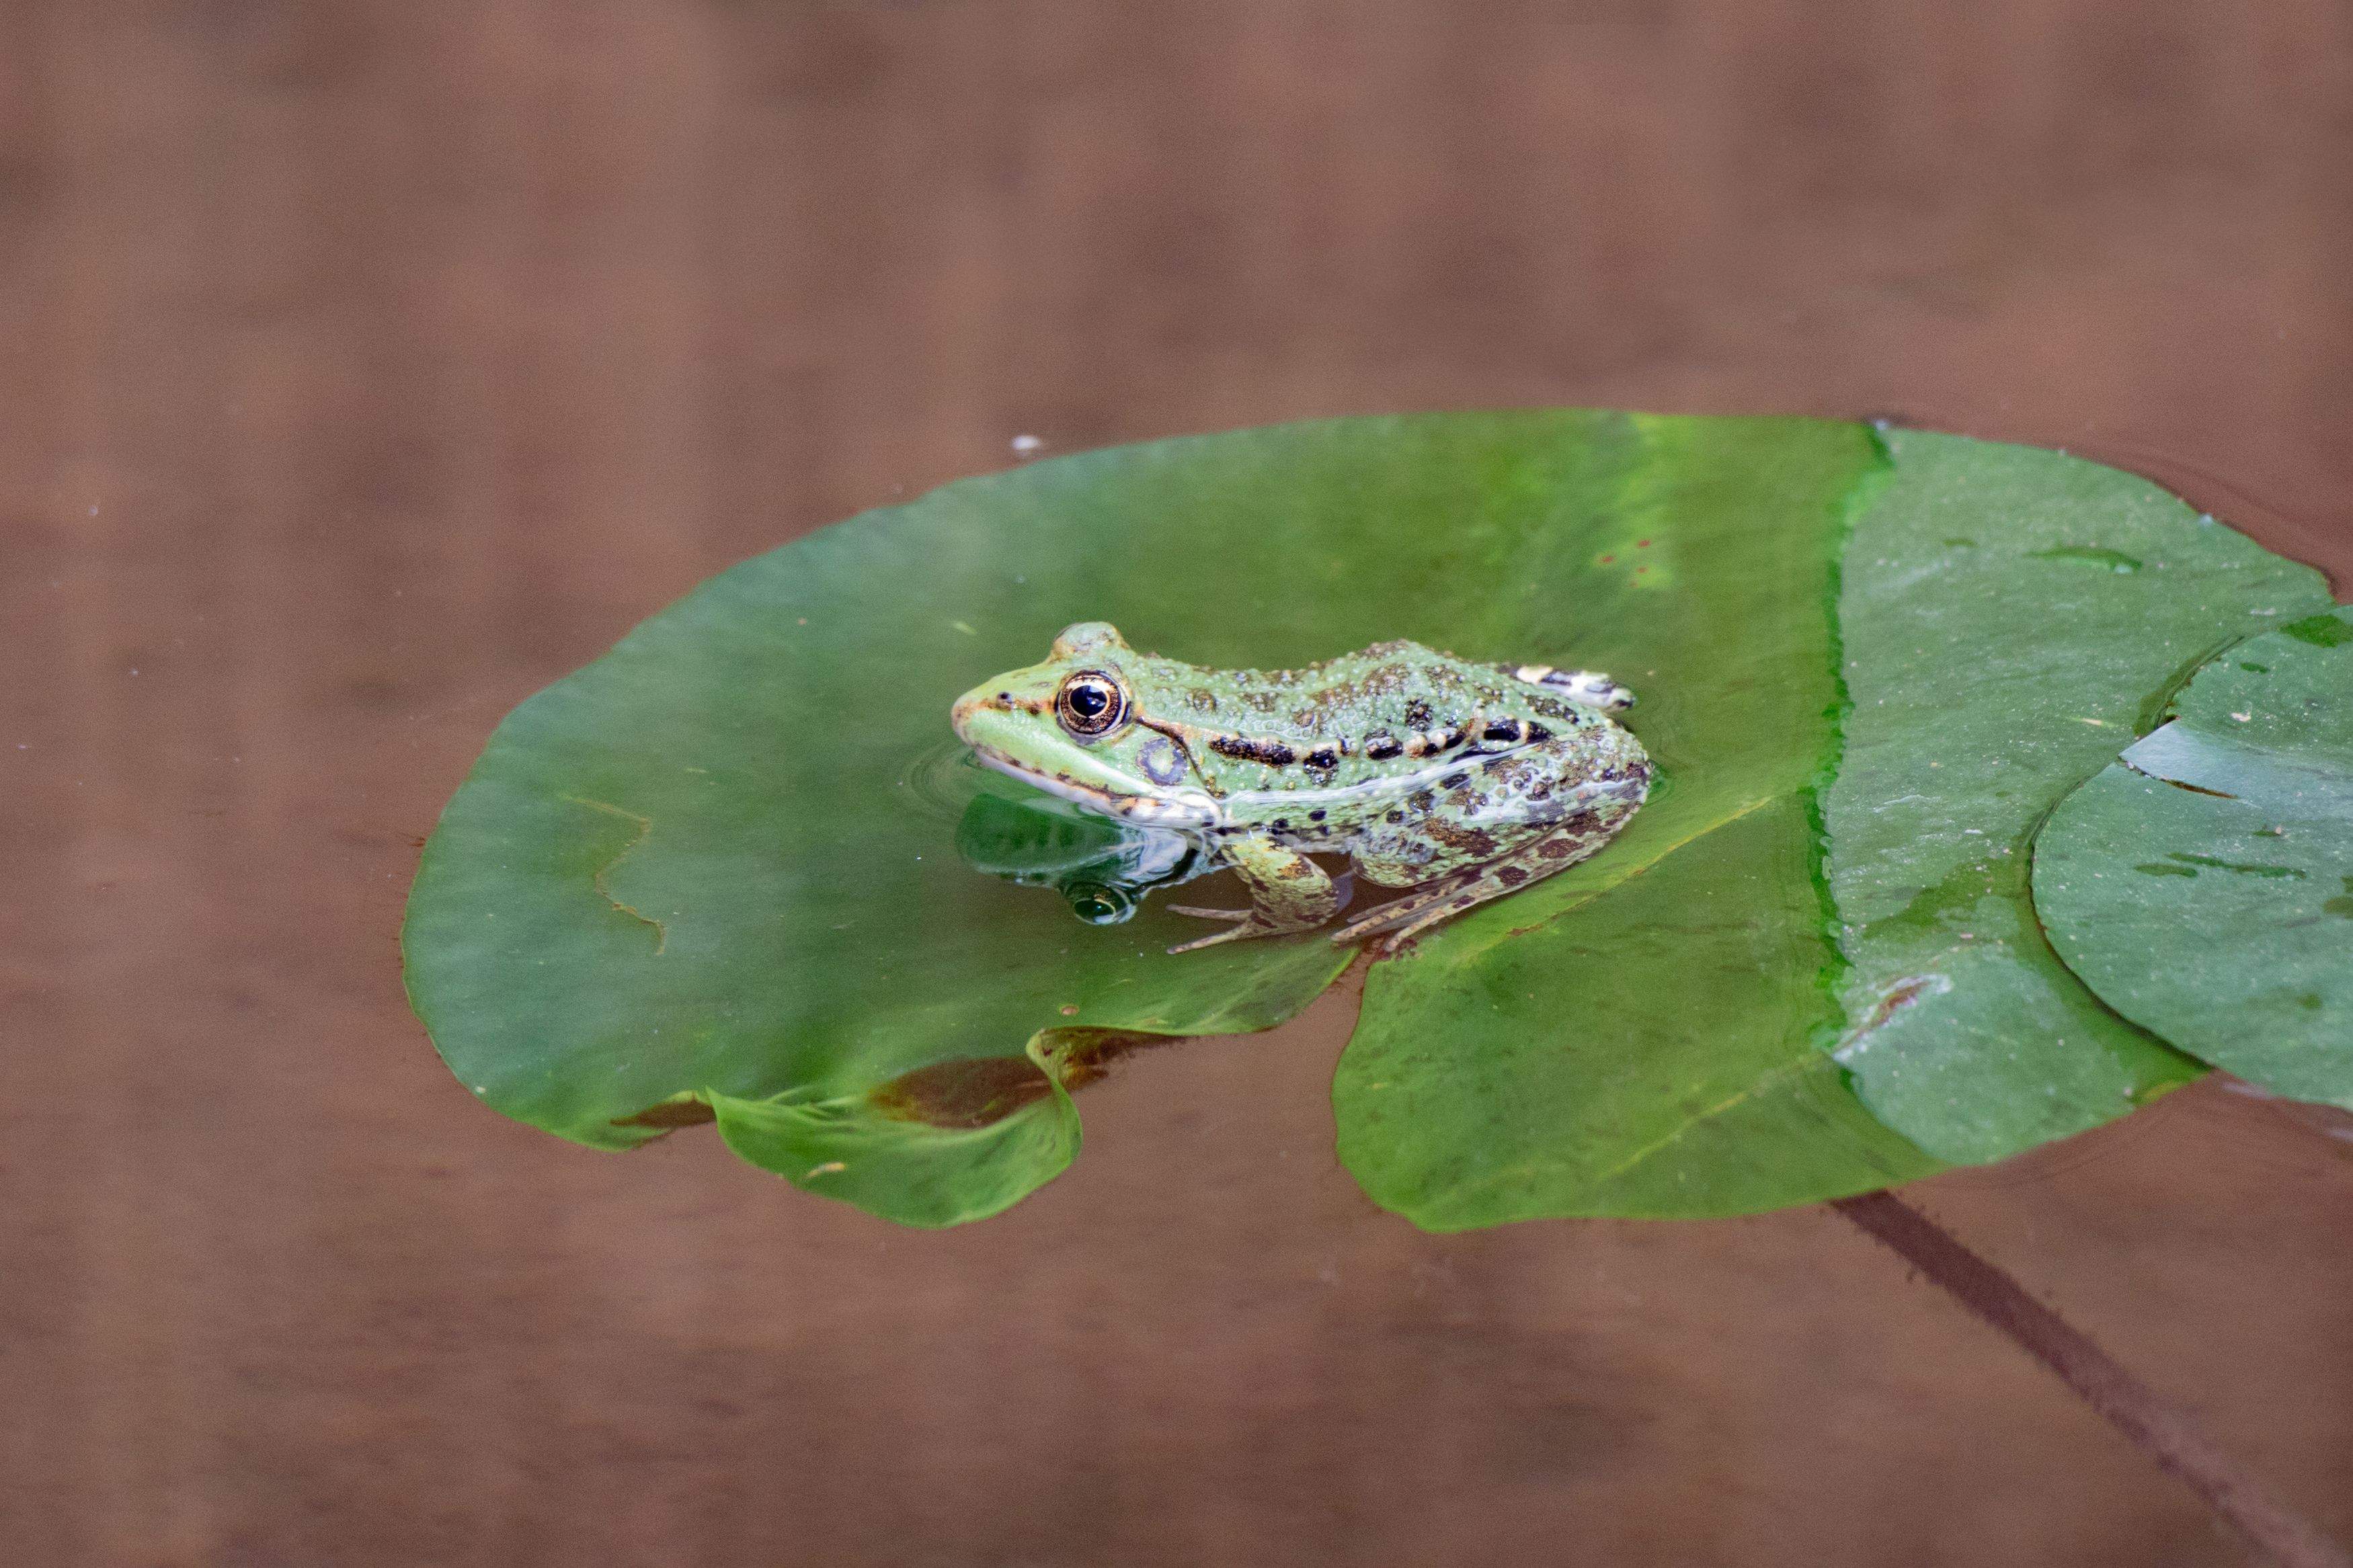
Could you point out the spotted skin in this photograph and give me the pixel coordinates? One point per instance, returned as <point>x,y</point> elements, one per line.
<point>1461,780</point>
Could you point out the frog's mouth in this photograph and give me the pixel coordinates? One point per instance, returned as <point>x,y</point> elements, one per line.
<point>1136,801</point>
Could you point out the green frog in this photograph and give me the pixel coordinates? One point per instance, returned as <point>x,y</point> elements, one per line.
<point>1458,780</point>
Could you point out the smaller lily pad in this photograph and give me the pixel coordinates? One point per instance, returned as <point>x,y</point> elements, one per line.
<point>2203,885</point>
<point>2009,617</point>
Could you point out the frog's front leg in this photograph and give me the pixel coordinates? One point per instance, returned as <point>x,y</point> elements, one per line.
<point>1288,892</point>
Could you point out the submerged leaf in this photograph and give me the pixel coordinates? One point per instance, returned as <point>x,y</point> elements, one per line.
<point>2008,617</point>
<point>2203,886</point>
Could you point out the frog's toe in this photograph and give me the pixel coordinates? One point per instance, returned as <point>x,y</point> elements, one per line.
<point>1246,923</point>
<point>1234,933</point>
<point>1241,927</point>
<point>1382,918</point>
<point>1391,944</point>
<point>1396,938</point>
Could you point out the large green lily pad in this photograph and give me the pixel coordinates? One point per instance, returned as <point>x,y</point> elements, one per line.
<point>2203,886</point>
<point>721,861</point>
<point>2008,617</point>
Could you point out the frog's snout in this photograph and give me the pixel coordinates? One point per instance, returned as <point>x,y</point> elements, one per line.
<point>970,706</point>
<point>984,708</point>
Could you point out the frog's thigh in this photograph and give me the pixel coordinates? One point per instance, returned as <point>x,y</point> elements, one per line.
<point>1495,811</point>
<point>1405,856</point>
<point>1532,860</point>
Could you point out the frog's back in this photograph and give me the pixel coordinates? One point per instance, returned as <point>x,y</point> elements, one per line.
<point>1363,714</point>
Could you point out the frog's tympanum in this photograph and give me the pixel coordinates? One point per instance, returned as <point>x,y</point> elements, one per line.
<point>1459,780</point>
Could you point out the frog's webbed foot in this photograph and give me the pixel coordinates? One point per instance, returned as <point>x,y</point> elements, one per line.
<point>1245,925</point>
<point>1392,925</point>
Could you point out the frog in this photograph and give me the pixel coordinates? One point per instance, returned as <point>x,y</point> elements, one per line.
<point>1455,779</point>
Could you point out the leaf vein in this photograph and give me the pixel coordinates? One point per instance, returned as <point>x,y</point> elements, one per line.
<point>645,831</point>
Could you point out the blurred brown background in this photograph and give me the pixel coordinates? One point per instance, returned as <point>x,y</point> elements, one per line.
<point>364,367</point>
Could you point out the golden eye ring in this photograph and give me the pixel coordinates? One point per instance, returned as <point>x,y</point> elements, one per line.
<point>1091,703</point>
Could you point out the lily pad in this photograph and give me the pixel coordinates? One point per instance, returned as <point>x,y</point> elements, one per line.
<point>2203,885</point>
<point>2008,617</point>
<point>723,860</point>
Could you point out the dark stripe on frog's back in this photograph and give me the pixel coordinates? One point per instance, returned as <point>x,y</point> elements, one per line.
<point>1265,751</point>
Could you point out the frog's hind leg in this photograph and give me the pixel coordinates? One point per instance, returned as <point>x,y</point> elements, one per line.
<point>1393,924</point>
<point>1288,892</point>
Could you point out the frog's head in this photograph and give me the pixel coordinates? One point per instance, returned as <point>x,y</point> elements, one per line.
<point>1069,727</point>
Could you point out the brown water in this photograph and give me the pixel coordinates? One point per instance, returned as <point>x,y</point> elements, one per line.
<point>365,367</point>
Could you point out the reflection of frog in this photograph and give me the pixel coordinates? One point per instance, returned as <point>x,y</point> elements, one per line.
<point>1101,866</point>
<point>1459,780</point>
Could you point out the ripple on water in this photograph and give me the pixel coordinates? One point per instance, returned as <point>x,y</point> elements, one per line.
<point>940,781</point>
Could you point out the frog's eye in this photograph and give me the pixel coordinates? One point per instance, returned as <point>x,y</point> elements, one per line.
<point>1091,703</point>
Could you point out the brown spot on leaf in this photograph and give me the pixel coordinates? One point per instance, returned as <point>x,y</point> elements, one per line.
<point>1086,1055</point>
<point>982,1090</point>
<point>671,1115</point>
<point>1898,996</point>
<point>965,1094</point>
